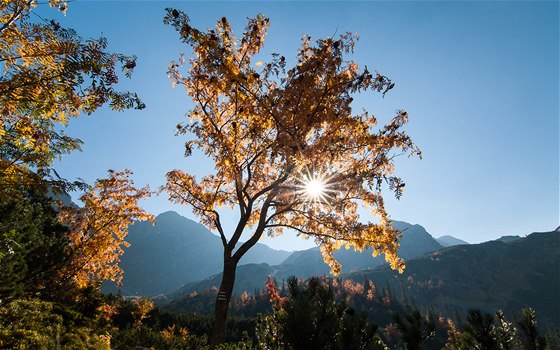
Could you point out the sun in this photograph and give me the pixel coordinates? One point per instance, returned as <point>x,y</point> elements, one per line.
<point>315,188</point>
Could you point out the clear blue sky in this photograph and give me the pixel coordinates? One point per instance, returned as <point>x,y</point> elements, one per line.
<point>480,81</point>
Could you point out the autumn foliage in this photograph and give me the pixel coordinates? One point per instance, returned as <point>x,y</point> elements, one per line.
<point>49,75</point>
<point>98,229</point>
<point>268,127</point>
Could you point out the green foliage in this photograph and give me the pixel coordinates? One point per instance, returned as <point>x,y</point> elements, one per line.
<point>528,332</point>
<point>414,329</point>
<point>29,324</point>
<point>146,337</point>
<point>32,245</point>
<point>479,331</point>
<point>504,332</point>
<point>36,324</point>
<point>310,318</point>
<point>482,331</point>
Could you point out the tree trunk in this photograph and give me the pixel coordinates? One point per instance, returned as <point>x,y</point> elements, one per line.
<point>222,302</point>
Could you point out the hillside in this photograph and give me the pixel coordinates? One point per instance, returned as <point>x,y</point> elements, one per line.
<point>449,241</point>
<point>248,278</point>
<point>416,241</point>
<point>176,251</point>
<point>488,276</point>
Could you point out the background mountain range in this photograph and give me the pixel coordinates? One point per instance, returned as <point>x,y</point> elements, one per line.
<point>179,256</point>
<point>176,251</point>
<point>505,275</point>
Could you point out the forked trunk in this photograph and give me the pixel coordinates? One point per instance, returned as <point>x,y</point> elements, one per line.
<point>222,303</point>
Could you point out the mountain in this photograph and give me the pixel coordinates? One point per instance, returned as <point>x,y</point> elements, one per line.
<point>306,263</point>
<point>508,239</point>
<point>449,241</point>
<point>247,278</point>
<point>415,241</point>
<point>176,251</point>
<point>487,276</point>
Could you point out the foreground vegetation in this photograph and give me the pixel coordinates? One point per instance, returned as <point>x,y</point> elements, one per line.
<point>315,314</point>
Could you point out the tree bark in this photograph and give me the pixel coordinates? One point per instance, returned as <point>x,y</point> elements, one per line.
<point>222,302</point>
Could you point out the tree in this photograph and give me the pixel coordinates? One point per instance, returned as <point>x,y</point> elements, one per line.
<point>49,75</point>
<point>529,334</point>
<point>415,329</point>
<point>32,245</point>
<point>310,317</point>
<point>99,228</point>
<point>48,251</point>
<point>288,151</point>
<point>479,331</point>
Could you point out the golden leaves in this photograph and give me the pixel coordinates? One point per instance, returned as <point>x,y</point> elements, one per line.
<point>266,129</point>
<point>142,307</point>
<point>98,230</point>
<point>49,75</point>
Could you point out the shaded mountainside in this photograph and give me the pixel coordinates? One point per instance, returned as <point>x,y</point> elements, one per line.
<point>176,251</point>
<point>487,276</point>
<point>248,278</point>
<point>415,242</point>
<point>307,263</point>
<point>449,241</point>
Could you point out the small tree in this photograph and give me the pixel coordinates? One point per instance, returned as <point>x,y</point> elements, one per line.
<point>415,329</point>
<point>529,334</point>
<point>97,231</point>
<point>288,151</point>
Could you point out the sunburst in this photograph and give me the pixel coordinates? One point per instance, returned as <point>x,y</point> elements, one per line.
<point>315,187</point>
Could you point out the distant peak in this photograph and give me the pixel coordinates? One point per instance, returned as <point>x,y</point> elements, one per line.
<point>174,218</point>
<point>448,241</point>
<point>508,239</point>
<point>169,213</point>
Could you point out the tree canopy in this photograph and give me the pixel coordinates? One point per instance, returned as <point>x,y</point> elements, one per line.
<point>49,75</point>
<point>271,130</point>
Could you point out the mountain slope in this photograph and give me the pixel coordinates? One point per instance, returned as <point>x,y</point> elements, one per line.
<point>487,276</point>
<point>176,251</point>
<point>415,242</point>
<point>449,241</point>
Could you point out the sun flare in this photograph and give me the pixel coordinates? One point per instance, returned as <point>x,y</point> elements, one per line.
<point>315,188</point>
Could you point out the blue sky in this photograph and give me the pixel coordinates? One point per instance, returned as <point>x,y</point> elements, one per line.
<point>480,81</point>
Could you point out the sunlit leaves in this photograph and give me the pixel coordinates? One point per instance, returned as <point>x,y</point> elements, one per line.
<point>266,127</point>
<point>49,75</point>
<point>98,229</point>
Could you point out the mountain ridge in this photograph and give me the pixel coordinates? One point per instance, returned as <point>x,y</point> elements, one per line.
<point>489,276</point>
<point>175,251</point>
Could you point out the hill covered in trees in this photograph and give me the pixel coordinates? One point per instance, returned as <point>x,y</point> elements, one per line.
<point>178,253</point>
<point>488,276</point>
